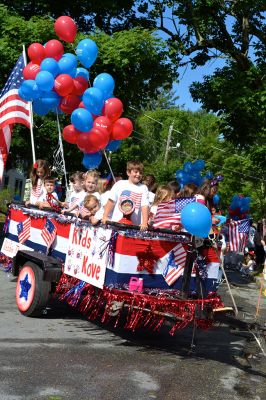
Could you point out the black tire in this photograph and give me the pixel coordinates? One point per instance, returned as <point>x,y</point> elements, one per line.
<point>32,292</point>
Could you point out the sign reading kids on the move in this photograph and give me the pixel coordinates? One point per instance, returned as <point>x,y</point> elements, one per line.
<point>86,256</point>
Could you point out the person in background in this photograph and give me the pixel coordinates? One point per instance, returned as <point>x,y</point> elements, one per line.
<point>175,187</point>
<point>188,190</point>
<point>77,195</point>
<point>129,189</point>
<point>163,193</point>
<point>149,181</point>
<point>91,182</point>
<point>259,245</point>
<point>39,171</point>
<point>49,198</point>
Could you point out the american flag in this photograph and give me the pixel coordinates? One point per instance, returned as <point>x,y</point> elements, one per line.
<point>135,197</point>
<point>48,233</point>
<point>169,212</point>
<point>23,229</point>
<point>176,264</point>
<point>37,190</point>
<point>238,235</point>
<point>12,110</point>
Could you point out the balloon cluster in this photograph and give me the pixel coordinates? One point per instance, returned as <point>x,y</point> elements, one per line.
<point>55,82</point>
<point>239,207</point>
<point>191,173</point>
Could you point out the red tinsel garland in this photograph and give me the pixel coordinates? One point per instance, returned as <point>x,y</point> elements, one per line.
<point>143,310</point>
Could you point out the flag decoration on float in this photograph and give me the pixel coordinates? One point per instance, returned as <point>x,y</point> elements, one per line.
<point>238,235</point>
<point>169,212</point>
<point>132,255</point>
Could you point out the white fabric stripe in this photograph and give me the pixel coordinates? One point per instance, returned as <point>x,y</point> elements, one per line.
<point>14,103</point>
<point>60,243</point>
<point>2,167</point>
<point>12,92</point>
<point>15,114</point>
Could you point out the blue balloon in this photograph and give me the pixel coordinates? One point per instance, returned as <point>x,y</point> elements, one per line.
<point>45,81</point>
<point>51,99</point>
<point>93,100</point>
<point>196,219</point>
<point>82,119</point>
<point>113,145</point>
<point>92,161</point>
<point>179,174</point>
<point>29,90</point>
<point>39,108</point>
<point>105,82</point>
<point>82,72</point>
<point>87,52</point>
<point>198,165</point>
<point>209,175</point>
<point>187,166</point>
<point>68,64</point>
<point>216,198</point>
<point>50,65</point>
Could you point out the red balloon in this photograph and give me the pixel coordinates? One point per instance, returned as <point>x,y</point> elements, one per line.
<point>113,109</point>
<point>94,140</point>
<point>66,29</point>
<point>103,123</point>
<point>70,134</point>
<point>63,84</point>
<point>80,85</point>
<point>36,52</point>
<point>54,49</point>
<point>81,105</point>
<point>69,103</point>
<point>31,70</point>
<point>122,128</point>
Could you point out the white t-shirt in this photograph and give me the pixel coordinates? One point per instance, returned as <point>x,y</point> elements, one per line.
<point>43,198</point>
<point>76,198</point>
<point>96,194</point>
<point>105,197</point>
<point>123,190</point>
<point>151,198</point>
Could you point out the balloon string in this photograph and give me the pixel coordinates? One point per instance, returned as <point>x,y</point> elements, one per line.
<point>105,155</point>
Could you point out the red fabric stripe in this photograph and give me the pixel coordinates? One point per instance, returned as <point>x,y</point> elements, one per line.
<point>11,98</point>
<point>16,120</point>
<point>15,108</point>
<point>132,246</point>
<point>39,223</point>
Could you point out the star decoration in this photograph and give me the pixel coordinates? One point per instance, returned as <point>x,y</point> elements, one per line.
<point>147,260</point>
<point>25,286</point>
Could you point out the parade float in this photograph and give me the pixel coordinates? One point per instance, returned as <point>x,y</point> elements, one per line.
<point>113,272</point>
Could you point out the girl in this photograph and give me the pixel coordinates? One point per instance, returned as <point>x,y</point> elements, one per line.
<point>163,193</point>
<point>91,182</point>
<point>40,170</point>
<point>90,207</point>
<point>188,190</point>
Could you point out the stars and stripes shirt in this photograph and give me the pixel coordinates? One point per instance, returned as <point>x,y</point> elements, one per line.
<point>12,110</point>
<point>23,229</point>
<point>238,235</point>
<point>169,213</point>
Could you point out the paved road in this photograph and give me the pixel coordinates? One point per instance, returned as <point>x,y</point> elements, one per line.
<point>62,356</point>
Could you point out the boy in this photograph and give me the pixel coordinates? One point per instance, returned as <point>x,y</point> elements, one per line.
<point>49,198</point>
<point>129,189</point>
<point>77,195</point>
<point>90,207</point>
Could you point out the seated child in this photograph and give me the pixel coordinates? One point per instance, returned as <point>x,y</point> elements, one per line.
<point>89,208</point>
<point>91,182</point>
<point>77,195</point>
<point>49,198</point>
<point>163,193</point>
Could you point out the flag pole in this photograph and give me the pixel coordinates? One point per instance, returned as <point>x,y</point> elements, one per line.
<point>109,165</point>
<point>31,114</point>
<point>61,146</point>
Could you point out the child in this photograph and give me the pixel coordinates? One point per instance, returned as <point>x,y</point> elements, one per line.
<point>90,183</point>
<point>175,187</point>
<point>129,189</point>
<point>40,170</point>
<point>149,181</point>
<point>49,198</point>
<point>188,190</point>
<point>250,263</point>
<point>90,206</point>
<point>77,195</point>
<point>163,193</point>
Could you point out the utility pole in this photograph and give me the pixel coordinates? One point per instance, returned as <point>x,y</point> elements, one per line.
<point>168,143</point>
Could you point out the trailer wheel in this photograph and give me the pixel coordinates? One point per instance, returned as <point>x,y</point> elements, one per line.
<point>32,292</point>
